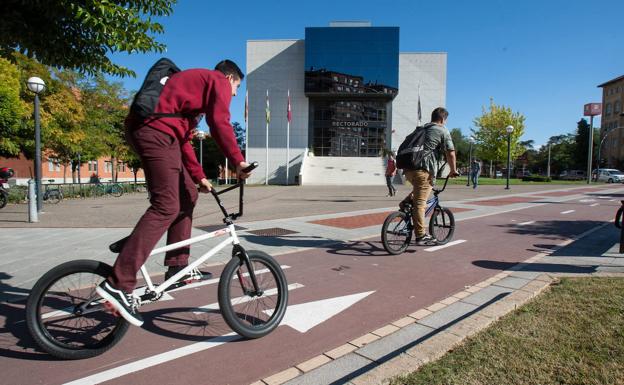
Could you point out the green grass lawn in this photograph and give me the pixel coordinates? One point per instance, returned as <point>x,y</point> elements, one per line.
<point>514,181</point>
<point>571,334</point>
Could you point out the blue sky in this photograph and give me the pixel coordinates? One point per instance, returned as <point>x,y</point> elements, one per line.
<point>541,58</point>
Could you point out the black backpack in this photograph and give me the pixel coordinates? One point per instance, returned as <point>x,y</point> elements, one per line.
<point>146,99</point>
<point>412,150</point>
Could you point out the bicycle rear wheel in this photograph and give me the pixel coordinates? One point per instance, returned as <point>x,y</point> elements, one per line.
<point>3,199</point>
<point>253,314</point>
<point>396,232</point>
<point>116,190</point>
<point>442,225</point>
<point>66,317</point>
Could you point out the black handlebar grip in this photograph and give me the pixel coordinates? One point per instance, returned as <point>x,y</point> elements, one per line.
<point>251,167</point>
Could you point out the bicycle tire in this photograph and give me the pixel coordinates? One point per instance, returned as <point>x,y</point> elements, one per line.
<point>442,225</point>
<point>234,309</point>
<point>618,217</point>
<point>396,235</point>
<point>3,199</point>
<point>43,313</point>
<point>116,190</point>
<point>54,196</point>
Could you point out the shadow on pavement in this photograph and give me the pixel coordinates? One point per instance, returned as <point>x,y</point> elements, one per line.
<point>556,229</point>
<point>182,323</point>
<point>537,267</point>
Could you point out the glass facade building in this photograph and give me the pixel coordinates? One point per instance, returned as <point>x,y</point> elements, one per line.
<point>351,78</point>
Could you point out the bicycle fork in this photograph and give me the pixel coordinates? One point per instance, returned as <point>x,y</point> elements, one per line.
<point>239,252</point>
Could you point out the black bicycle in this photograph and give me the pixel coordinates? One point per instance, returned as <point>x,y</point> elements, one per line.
<point>69,320</point>
<point>397,230</point>
<point>53,195</point>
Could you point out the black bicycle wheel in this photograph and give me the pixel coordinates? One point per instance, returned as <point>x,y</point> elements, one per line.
<point>442,225</point>
<point>54,196</point>
<point>251,314</point>
<point>3,199</point>
<point>116,190</point>
<point>396,232</point>
<point>66,317</point>
<point>618,217</point>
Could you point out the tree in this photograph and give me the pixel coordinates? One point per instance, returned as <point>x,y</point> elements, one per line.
<point>239,132</point>
<point>13,111</point>
<point>491,136</point>
<point>462,147</point>
<point>80,35</point>
<point>582,144</point>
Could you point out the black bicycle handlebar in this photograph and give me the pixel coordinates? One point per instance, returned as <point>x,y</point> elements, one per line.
<point>240,184</point>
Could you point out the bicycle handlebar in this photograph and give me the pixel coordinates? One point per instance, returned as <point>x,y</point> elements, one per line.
<point>230,217</point>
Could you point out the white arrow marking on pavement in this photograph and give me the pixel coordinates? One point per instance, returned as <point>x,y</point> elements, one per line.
<point>567,212</point>
<point>305,316</point>
<point>239,300</point>
<point>593,205</point>
<point>435,248</point>
<point>526,223</point>
<point>301,317</point>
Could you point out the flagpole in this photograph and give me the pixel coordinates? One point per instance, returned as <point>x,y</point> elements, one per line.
<point>288,140</point>
<point>246,131</point>
<point>266,163</point>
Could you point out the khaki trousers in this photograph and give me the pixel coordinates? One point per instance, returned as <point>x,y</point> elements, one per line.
<point>422,183</point>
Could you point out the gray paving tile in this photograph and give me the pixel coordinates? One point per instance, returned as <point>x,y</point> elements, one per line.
<point>447,315</point>
<point>486,294</point>
<point>512,282</point>
<point>338,370</point>
<point>394,342</point>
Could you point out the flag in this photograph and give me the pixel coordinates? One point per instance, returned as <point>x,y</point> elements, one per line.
<point>246,105</point>
<point>288,112</point>
<point>419,108</point>
<point>268,110</point>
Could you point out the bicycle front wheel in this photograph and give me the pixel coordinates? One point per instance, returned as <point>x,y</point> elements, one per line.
<point>67,318</point>
<point>442,225</point>
<point>396,233</point>
<point>116,190</point>
<point>251,313</point>
<point>54,196</point>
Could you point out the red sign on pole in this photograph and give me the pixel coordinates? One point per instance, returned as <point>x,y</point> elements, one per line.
<point>592,109</point>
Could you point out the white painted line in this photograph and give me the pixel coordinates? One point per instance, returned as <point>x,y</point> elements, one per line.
<point>239,300</point>
<point>567,212</point>
<point>587,200</point>
<point>157,359</point>
<point>594,204</point>
<point>435,248</point>
<point>526,223</point>
<point>216,280</point>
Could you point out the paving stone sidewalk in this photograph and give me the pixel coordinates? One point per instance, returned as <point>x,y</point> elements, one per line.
<point>425,335</point>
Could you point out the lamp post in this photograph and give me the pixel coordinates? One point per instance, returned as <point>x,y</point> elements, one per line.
<point>471,141</point>
<point>201,135</point>
<point>36,85</point>
<point>509,130</point>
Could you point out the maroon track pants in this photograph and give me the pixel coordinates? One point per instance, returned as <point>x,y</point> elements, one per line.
<point>172,196</point>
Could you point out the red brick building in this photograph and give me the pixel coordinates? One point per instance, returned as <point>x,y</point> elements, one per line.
<point>51,169</point>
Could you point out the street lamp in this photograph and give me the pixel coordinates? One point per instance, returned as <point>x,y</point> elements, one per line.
<point>36,85</point>
<point>471,140</point>
<point>509,130</point>
<point>201,135</point>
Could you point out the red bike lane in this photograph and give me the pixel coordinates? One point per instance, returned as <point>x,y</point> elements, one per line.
<point>177,345</point>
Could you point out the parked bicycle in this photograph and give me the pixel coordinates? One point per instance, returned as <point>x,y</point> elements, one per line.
<point>114,189</point>
<point>52,195</point>
<point>68,319</point>
<point>398,228</point>
<point>5,174</point>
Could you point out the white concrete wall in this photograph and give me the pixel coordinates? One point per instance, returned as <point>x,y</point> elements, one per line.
<point>427,70</point>
<point>352,171</point>
<point>276,66</point>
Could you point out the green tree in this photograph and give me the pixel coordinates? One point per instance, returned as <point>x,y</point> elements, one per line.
<point>491,136</point>
<point>239,132</point>
<point>13,111</point>
<point>462,147</point>
<point>582,144</point>
<point>80,35</point>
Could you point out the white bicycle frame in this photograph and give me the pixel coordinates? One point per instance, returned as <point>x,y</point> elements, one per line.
<point>231,240</point>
